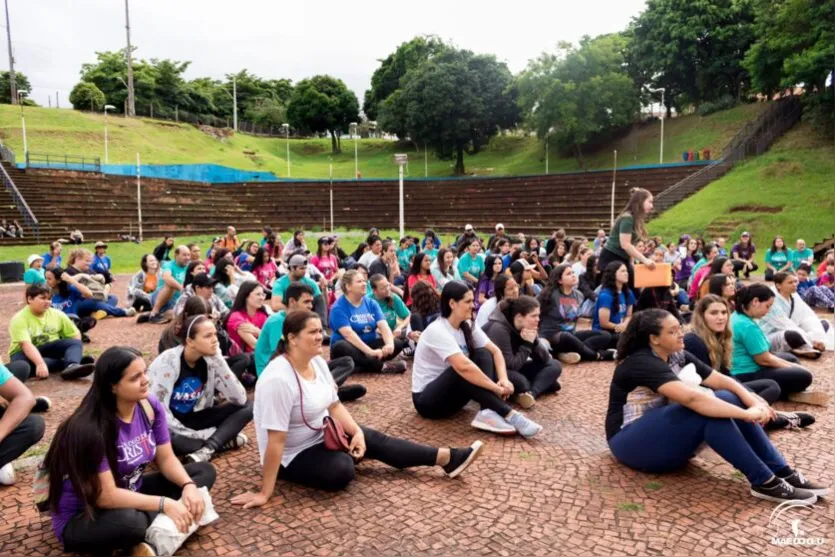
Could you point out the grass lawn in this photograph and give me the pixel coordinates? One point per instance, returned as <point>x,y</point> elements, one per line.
<point>126,255</point>
<point>790,191</point>
<point>59,132</point>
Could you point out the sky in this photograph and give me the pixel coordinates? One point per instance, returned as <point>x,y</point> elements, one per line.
<point>51,39</point>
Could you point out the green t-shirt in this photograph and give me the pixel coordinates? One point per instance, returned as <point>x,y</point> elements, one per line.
<point>280,286</point>
<point>432,254</point>
<point>799,257</point>
<point>397,310</point>
<point>404,257</point>
<point>51,326</point>
<point>624,225</point>
<point>34,276</point>
<point>268,340</point>
<point>177,272</point>
<point>470,264</point>
<point>777,258</point>
<point>748,341</point>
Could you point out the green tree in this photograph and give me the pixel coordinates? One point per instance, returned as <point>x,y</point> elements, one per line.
<point>86,96</point>
<point>386,79</point>
<point>454,102</point>
<point>323,104</point>
<point>578,94</point>
<point>21,82</point>
<point>692,48</point>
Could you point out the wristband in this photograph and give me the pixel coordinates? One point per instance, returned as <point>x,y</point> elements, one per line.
<point>162,504</point>
<point>188,483</point>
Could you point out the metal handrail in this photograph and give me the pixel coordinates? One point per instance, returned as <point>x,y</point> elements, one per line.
<point>20,203</point>
<point>55,161</point>
<point>7,155</point>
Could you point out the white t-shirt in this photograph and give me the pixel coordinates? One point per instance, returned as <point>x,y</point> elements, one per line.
<point>579,269</point>
<point>436,344</point>
<point>368,258</point>
<point>277,406</point>
<point>484,312</point>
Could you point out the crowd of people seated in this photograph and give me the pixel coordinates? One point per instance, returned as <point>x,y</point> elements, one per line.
<point>697,360</point>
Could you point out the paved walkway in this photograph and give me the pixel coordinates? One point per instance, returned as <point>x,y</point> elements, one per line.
<point>561,493</point>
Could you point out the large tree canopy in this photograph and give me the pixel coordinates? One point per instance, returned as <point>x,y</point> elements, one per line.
<point>454,102</point>
<point>580,93</point>
<point>86,96</point>
<point>323,104</point>
<point>21,83</point>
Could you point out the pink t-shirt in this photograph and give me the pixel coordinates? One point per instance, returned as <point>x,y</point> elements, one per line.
<point>238,318</point>
<point>696,282</point>
<point>266,273</point>
<point>327,265</point>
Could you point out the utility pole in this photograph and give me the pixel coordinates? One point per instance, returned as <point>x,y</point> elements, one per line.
<point>235,103</point>
<point>12,81</point>
<point>57,102</point>
<point>131,108</point>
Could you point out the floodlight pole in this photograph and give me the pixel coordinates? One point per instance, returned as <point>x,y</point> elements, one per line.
<point>401,160</point>
<point>614,181</point>
<point>286,128</point>
<point>139,195</point>
<point>12,77</point>
<point>330,169</point>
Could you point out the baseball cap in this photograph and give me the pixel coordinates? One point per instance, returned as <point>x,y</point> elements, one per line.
<point>297,261</point>
<point>100,245</point>
<point>500,226</point>
<point>746,233</point>
<point>468,227</point>
<point>32,258</point>
<point>202,279</point>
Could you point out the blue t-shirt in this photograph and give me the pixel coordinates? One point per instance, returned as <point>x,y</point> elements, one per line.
<point>101,264</point>
<point>268,340</point>
<point>67,303</point>
<point>47,259</point>
<point>362,319</point>
<point>5,374</point>
<point>606,299</point>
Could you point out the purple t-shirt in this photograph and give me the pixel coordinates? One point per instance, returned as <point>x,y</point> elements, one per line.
<point>745,252</point>
<point>136,447</point>
<point>686,270</point>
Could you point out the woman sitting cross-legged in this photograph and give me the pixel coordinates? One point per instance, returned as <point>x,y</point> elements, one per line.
<point>293,398</point>
<point>711,341</point>
<point>456,363</point>
<point>185,379</point>
<point>561,302</point>
<point>144,283</point>
<point>100,497</point>
<point>790,317</point>
<point>72,297</point>
<point>615,302</point>
<point>664,403</point>
<point>752,358</point>
<point>360,330</point>
<point>247,316</point>
<point>530,367</point>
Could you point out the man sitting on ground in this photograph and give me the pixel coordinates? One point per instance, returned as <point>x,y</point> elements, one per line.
<point>46,338</point>
<point>171,286</point>
<point>19,429</point>
<point>298,274</point>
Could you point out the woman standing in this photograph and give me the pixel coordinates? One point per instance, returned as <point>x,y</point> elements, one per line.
<point>627,230</point>
<point>530,367</point>
<point>294,396</point>
<point>100,497</point>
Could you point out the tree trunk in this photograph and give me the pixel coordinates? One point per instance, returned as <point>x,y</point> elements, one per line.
<point>578,154</point>
<point>459,160</point>
<point>335,143</point>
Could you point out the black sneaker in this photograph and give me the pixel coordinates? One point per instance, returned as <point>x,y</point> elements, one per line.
<point>607,355</point>
<point>85,338</point>
<point>157,319</point>
<point>347,393</point>
<point>796,420</point>
<point>799,481</point>
<point>783,491</point>
<point>88,360</point>
<point>77,371</point>
<point>42,404</point>
<point>143,318</point>
<point>460,459</point>
<point>394,367</point>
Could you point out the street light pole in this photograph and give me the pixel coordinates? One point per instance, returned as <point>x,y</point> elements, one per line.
<point>131,96</point>
<point>20,95</point>
<point>352,127</point>
<point>401,160</point>
<point>235,104</point>
<point>12,79</point>
<point>663,114</point>
<point>425,161</point>
<point>106,108</point>
<point>546,155</point>
<point>286,128</point>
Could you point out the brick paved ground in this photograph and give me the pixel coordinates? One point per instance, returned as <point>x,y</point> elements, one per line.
<point>560,494</point>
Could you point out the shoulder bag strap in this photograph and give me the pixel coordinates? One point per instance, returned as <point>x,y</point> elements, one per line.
<point>301,399</point>
<point>149,410</point>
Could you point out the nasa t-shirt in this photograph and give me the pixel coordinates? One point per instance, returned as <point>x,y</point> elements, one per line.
<point>362,319</point>
<point>189,387</point>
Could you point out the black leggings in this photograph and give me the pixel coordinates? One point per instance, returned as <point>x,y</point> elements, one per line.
<point>586,343</point>
<point>228,419</point>
<point>25,435</point>
<point>740,265</point>
<point>363,363</point>
<point>768,389</point>
<point>536,377</point>
<point>241,363</point>
<point>790,380</point>
<point>320,468</point>
<point>112,529</point>
<point>450,392</point>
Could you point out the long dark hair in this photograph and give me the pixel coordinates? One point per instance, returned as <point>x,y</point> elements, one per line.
<point>546,296</point>
<point>294,323</point>
<point>243,293</point>
<point>360,250</point>
<point>609,281</point>
<point>523,305</point>
<point>190,272</point>
<point>63,287</point>
<point>425,300</point>
<point>143,263</point>
<point>170,337</point>
<point>716,266</point>
<point>637,333</point>
<point>90,434</point>
<point>500,284</point>
<point>220,271</point>
<point>747,294</point>
<point>259,259</point>
<point>774,248</point>
<point>219,255</point>
<point>455,290</point>
<point>716,283</point>
<point>440,258</point>
<point>635,207</point>
<point>592,271</point>
<point>417,263</point>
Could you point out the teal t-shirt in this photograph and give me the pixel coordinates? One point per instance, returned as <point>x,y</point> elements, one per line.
<point>34,276</point>
<point>268,340</point>
<point>5,374</point>
<point>432,254</point>
<point>701,263</point>
<point>748,341</point>
<point>470,264</point>
<point>798,257</point>
<point>280,286</point>
<point>397,310</point>
<point>777,259</point>
<point>404,257</point>
<point>179,274</point>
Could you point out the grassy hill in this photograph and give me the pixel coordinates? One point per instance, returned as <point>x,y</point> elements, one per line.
<point>790,191</point>
<point>59,132</point>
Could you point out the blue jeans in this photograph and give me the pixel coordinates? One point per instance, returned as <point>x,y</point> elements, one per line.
<point>57,355</point>
<point>168,305</point>
<point>665,439</point>
<point>88,307</point>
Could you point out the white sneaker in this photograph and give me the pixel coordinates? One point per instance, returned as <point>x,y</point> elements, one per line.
<point>7,475</point>
<point>489,420</point>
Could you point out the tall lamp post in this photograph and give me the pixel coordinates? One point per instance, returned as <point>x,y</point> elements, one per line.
<point>401,159</point>
<point>286,128</point>
<point>106,108</point>
<point>20,95</point>
<point>663,114</point>
<point>352,128</point>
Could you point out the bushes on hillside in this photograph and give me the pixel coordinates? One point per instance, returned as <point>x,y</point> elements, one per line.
<point>723,103</point>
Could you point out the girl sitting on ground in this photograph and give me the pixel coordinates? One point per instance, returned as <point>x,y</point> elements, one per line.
<point>143,284</point>
<point>72,297</point>
<point>444,268</point>
<point>247,316</point>
<point>613,308</point>
<point>506,288</point>
<point>815,296</point>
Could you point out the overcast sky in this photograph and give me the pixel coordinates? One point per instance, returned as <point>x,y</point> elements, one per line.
<point>283,39</point>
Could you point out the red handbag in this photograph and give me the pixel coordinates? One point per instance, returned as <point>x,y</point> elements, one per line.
<point>335,437</point>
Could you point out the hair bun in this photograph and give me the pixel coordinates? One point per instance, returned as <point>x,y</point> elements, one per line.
<point>634,190</point>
